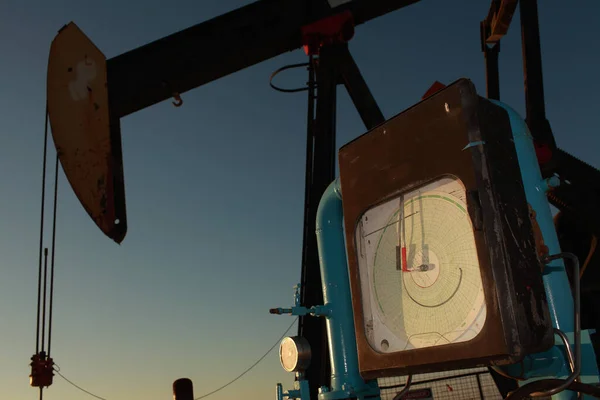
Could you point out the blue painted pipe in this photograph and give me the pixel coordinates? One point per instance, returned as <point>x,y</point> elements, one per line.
<point>556,281</point>
<point>345,375</point>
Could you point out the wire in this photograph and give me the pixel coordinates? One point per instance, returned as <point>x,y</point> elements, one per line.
<point>576,330</point>
<point>286,68</point>
<point>504,374</point>
<point>550,387</point>
<point>39,293</point>
<point>524,392</point>
<point>400,395</point>
<point>593,245</point>
<point>77,386</point>
<point>44,299</point>
<point>57,370</point>
<point>52,259</point>
<point>252,366</point>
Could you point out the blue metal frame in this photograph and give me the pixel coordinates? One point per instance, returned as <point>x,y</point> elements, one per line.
<point>346,381</point>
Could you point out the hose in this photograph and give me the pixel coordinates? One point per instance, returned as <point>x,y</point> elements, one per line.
<point>545,385</point>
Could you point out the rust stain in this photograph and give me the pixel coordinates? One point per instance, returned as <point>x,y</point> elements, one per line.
<point>541,248</point>
<point>80,124</point>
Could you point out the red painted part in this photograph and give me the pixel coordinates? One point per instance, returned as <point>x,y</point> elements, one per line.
<point>337,28</point>
<point>436,87</point>
<point>404,260</point>
<point>41,371</point>
<point>543,153</point>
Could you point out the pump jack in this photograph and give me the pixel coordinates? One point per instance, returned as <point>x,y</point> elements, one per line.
<point>173,65</point>
<point>176,64</point>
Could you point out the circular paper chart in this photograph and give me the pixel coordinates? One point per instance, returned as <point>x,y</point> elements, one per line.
<point>425,277</point>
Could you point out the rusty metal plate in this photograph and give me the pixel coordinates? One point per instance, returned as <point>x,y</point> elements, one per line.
<point>88,144</point>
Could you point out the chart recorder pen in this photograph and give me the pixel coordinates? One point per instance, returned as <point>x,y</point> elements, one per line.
<point>401,252</point>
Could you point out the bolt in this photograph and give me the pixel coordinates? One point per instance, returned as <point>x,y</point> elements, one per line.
<point>550,183</point>
<point>323,389</point>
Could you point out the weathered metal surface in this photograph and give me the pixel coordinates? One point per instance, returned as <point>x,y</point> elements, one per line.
<point>88,149</point>
<point>454,133</point>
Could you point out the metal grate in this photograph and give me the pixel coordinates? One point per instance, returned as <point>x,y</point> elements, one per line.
<point>466,384</point>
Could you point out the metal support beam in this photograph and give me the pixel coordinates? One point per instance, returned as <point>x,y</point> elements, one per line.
<point>321,171</point>
<point>532,69</point>
<point>492,70</point>
<point>492,29</point>
<point>534,85</point>
<point>334,63</point>
<point>358,90</point>
<point>221,46</point>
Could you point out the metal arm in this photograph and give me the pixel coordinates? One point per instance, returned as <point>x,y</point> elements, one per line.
<point>223,45</point>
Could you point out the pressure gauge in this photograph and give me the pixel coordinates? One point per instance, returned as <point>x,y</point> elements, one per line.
<point>294,354</point>
<point>420,268</point>
<point>442,259</point>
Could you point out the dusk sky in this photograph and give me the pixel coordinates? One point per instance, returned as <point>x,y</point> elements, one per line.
<point>215,189</point>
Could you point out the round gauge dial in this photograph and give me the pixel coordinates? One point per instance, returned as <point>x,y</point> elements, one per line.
<point>294,354</point>
<point>419,269</point>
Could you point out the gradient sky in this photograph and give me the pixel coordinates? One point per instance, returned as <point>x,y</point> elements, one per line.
<point>215,189</point>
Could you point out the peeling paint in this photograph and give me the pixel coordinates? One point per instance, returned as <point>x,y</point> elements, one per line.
<point>85,72</point>
<point>538,319</point>
<point>473,144</point>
